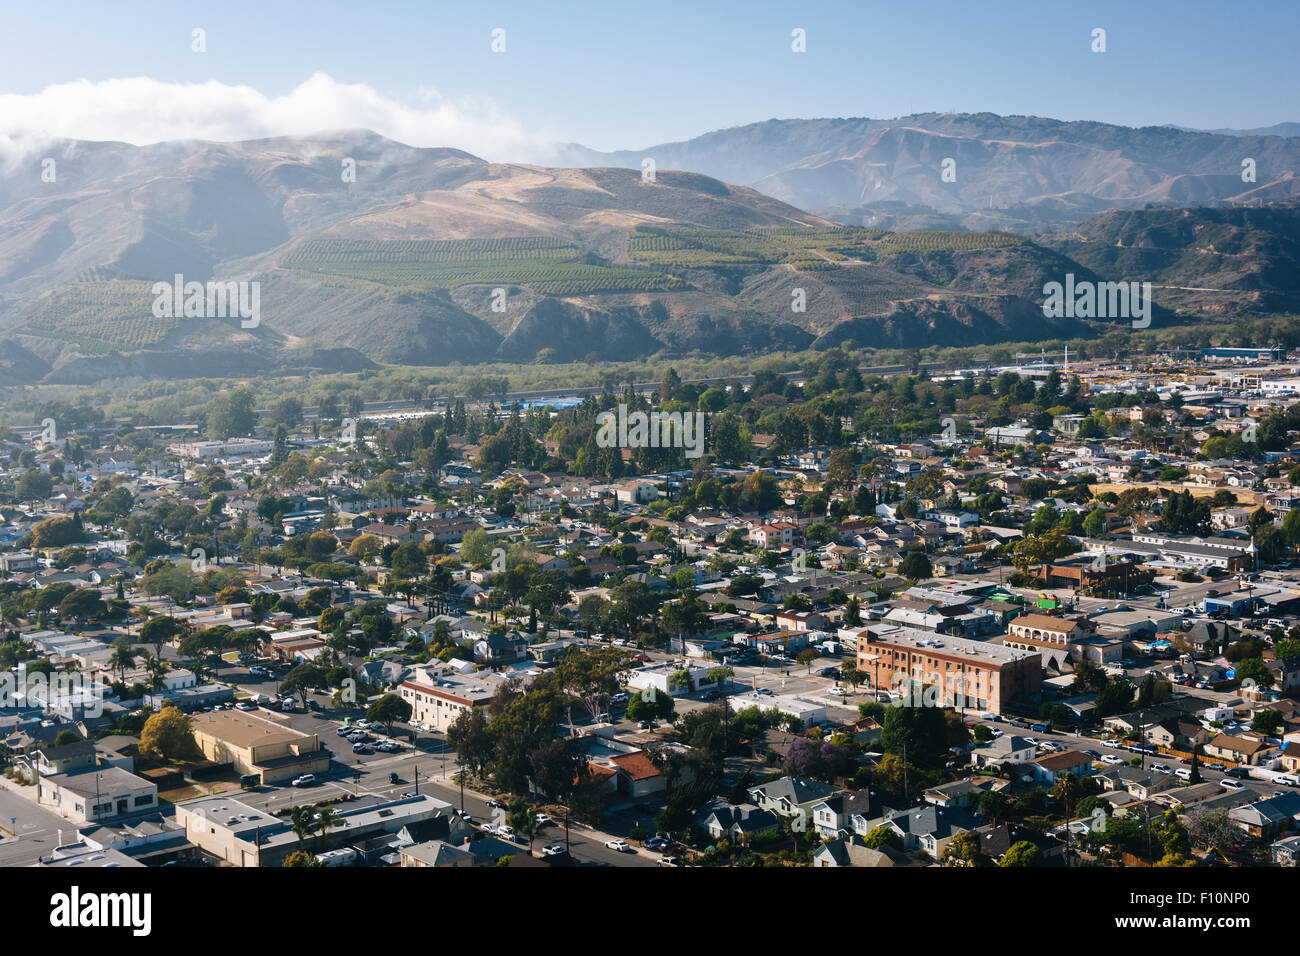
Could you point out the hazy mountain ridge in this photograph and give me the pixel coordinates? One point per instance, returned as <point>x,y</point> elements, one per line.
<point>1011,172</point>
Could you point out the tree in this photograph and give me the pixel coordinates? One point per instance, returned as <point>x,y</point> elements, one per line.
<point>884,835</point>
<point>1267,722</point>
<point>122,658</point>
<point>468,735</point>
<point>302,820</point>
<point>300,857</point>
<point>591,675</point>
<point>645,705</point>
<point>1022,853</point>
<point>168,734</point>
<point>388,710</point>
<point>808,657</point>
<point>915,566</point>
<point>33,485</point>
<point>327,818</point>
<point>1115,698</point>
<point>964,850</point>
<point>230,414</point>
<point>159,631</point>
<point>523,819</point>
<point>1254,668</point>
<point>82,604</point>
<point>853,612</point>
<point>918,733</point>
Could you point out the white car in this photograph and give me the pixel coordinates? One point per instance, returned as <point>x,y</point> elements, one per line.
<point>555,850</point>
<point>838,692</point>
<point>489,828</point>
<point>1228,783</point>
<point>620,845</point>
<point>1111,759</point>
<point>305,780</point>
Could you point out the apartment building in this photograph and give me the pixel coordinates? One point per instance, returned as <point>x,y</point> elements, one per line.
<point>438,699</point>
<point>962,672</point>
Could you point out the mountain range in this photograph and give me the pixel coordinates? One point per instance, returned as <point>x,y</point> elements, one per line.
<point>1022,173</point>
<point>368,251</point>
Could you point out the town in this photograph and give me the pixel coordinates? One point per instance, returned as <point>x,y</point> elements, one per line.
<point>1034,615</point>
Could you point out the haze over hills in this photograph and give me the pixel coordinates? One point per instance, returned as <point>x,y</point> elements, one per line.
<point>1023,173</point>
<point>430,256</point>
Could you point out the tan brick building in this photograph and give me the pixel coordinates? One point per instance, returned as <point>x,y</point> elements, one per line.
<point>971,674</point>
<point>259,745</point>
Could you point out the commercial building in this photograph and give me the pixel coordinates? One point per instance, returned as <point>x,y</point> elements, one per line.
<point>94,796</point>
<point>437,700</point>
<point>254,744</point>
<point>242,835</point>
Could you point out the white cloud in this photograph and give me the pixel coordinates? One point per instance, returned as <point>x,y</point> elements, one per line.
<point>141,111</point>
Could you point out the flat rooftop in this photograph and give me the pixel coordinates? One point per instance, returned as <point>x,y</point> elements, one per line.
<point>241,729</point>
<point>926,642</point>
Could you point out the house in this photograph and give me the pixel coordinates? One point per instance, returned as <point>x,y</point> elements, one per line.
<point>1049,768</point>
<point>635,491</point>
<point>791,796</point>
<point>734,821</point>
<point>1245,750</point>
<point>1286,852</point>
<point>930,828</point>
<point>1008,748</point>
<point>852,851</point>
<point>1264,819</point>
<point>501,648</point>
<point>70,758</point>
<point>436,853</point>
<point>958,793</point>
<point>835,813</point>
<point>996,841</point>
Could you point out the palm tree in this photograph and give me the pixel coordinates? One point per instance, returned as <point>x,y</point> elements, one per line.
<point>122,659</point>
<point>157,668</point>
<point>327,818</point>
<point>302,819</point>
<point>524,820</point>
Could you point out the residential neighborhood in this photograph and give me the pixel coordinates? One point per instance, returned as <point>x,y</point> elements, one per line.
<point>467,636</point>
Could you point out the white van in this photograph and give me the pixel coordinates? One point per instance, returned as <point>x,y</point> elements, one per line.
<point>1182,773</point>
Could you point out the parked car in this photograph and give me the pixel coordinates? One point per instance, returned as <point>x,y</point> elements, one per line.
<point>555,850</point>
<point>656,843</point>
<point>620,845</point>
<point>1111,759</point>
<point>668,861</point>
<point>306,780</point>
<point>1228,783</point>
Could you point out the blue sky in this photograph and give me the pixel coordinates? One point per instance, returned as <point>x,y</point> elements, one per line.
<point>631,75</point>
